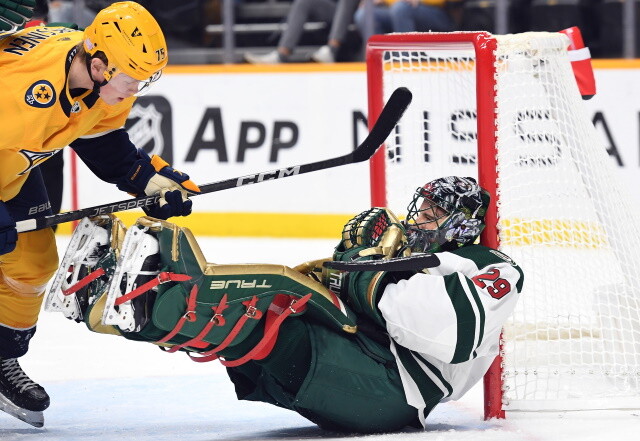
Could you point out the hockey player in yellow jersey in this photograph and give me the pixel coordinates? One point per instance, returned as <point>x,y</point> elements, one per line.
<point>62,87</point>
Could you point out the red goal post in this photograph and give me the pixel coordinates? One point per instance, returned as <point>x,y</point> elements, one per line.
<point>484,47</point>
<point>507,110</point>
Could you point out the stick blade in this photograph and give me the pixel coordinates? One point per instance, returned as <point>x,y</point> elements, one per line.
<point>389,117</point>
<point>416,262</point>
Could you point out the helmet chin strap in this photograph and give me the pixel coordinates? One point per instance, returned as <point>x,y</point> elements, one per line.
<point>96,84</point>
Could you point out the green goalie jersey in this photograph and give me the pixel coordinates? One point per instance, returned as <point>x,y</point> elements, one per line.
<point>445,325</point>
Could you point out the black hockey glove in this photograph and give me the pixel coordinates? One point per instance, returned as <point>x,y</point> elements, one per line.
<point>151,176</point>
<point>14,13</point>
<point>8,232</point>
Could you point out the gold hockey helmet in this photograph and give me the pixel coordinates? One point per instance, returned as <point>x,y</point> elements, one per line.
<point>130,38</point>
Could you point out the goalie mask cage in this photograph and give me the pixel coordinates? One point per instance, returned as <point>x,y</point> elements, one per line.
<point>507,110</point>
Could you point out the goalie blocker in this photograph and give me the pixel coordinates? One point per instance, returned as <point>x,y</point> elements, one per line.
<point>357,351</point>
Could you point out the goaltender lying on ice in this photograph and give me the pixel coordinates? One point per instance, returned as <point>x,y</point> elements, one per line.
<point>357,351</point>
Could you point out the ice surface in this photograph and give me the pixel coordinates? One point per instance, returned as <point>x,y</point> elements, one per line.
<point>105,388</point>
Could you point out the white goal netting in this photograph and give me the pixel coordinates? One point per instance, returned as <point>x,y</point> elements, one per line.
<point>574,340</point>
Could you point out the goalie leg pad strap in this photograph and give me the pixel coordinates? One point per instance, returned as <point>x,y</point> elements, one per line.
<point>265,346</point>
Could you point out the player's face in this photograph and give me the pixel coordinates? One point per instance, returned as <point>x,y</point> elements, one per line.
<point>430,216</point>
<point>120,87</point>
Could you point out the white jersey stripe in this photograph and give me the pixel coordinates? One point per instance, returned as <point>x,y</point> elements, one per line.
<point>411,391</point>
<point>476,312</point>
<point>435,377</point>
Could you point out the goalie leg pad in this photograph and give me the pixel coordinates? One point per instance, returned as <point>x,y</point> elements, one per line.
<point>230,301</point>
<point>225,294</point>
<point>122,279</point>
<point>205,308</point>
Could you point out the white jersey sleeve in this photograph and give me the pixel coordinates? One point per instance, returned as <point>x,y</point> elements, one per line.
<point>449,312</point>
<point>448,322</point>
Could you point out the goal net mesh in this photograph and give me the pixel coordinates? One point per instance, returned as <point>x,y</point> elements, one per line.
<point>574,339</point>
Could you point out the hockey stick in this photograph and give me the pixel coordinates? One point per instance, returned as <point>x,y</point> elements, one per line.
<point>389,117</point>
<point>416,262</point>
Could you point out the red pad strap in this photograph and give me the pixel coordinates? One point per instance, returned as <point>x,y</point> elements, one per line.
<point>251,313</point>
<point>189,316</point>
<point>264,346</point>
<point>279,305</point>
<point>83,282</point>
<point>216,320</point>
<point>163,277</point>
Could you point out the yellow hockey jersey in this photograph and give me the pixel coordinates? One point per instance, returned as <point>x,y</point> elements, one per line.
<point>38,114</point>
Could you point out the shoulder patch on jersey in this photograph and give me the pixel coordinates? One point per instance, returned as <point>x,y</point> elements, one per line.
<point>40,94</point>
<point>503,256</point>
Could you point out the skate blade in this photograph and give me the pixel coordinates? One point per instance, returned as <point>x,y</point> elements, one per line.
<point>35,418</point>
<point>136,246</point>
<point>86,237</point>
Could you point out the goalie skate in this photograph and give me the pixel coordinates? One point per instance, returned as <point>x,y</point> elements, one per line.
<point>88,244</point>
<point>138,263</point>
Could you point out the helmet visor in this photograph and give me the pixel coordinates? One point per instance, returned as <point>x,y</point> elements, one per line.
<point>144,86</point>
<point>127,85</point>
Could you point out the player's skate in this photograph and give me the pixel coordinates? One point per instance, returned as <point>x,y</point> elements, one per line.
<point>69,291</point>
<point>139,262</point>
<point>20,396</point>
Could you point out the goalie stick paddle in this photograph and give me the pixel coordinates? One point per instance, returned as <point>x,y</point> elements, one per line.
<point>389,117</point>
<point>415,262</point>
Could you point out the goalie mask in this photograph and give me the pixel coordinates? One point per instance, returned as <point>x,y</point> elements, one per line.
<point>446,214</point>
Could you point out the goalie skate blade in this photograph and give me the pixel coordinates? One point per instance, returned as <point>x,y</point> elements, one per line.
<point>137,246</point>
<point>82,251</point>
<point>35,418</point>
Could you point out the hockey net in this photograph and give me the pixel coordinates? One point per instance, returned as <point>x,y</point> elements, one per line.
<point>507,110</point>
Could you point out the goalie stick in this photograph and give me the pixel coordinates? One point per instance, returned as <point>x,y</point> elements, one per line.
<point>415,262</point>
<point>389,117</point>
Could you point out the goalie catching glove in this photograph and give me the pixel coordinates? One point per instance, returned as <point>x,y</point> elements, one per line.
<point>372,235</point>
<point>154,176</point>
